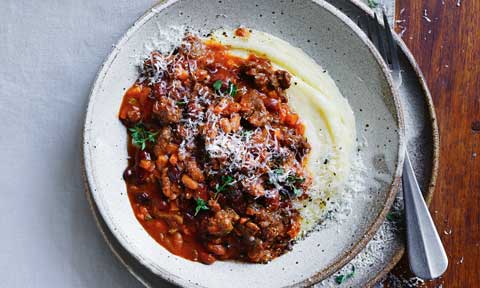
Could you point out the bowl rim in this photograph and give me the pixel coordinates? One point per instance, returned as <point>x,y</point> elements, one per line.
<point>428,193</point>
<point>344,257</point>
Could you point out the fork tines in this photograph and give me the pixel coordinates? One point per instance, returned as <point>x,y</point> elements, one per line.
<point>382,37</point>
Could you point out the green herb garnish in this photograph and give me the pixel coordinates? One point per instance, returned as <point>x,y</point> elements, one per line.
<point>217,85</point>
<point>391,216</point>
<point>140,136</point>
<point>291,181</point>
<point>246,133</point>
<point>295,179</point>
<point>181,103</point>
<point>343,277</point>
<point>201,205</point>
<point>232,89</point>
<point>226,181</point>
<point>372,3</point>
<point>297,192</point>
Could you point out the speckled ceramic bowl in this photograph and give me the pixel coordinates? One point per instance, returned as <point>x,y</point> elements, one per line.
<point>335,43</point>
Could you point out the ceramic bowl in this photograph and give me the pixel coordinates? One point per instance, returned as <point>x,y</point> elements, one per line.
<point>335,43</point>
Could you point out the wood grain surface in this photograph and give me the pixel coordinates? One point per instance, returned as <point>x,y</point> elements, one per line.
<point>444,36</point>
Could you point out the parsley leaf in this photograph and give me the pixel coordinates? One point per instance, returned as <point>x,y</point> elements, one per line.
<point>290,180</point>
<point>217,85</point>
<point>181,103</point>
<point>295,179</point>
<point>246,133</point>
<point>297,192</point>
<point>226,181</point>
<point>340,279</point>
<point>201,205</point>
<point>232,89</point>
<point>289,183</point>
<point>343,277</point>
<point>140,136</point>
<point>391,216</point>
<point>372,3</point>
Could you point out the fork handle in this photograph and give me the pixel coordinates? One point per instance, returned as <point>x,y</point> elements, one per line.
<point>426,254</point>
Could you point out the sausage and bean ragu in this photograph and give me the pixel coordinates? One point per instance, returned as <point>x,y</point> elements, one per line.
<point>216,155</point>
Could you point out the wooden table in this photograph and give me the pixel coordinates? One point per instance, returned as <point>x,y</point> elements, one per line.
<point>445,39</point>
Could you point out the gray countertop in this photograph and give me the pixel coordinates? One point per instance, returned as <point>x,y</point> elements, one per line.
<point>50,53</point>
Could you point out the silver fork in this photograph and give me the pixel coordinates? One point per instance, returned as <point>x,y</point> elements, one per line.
<point>426,254</point>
